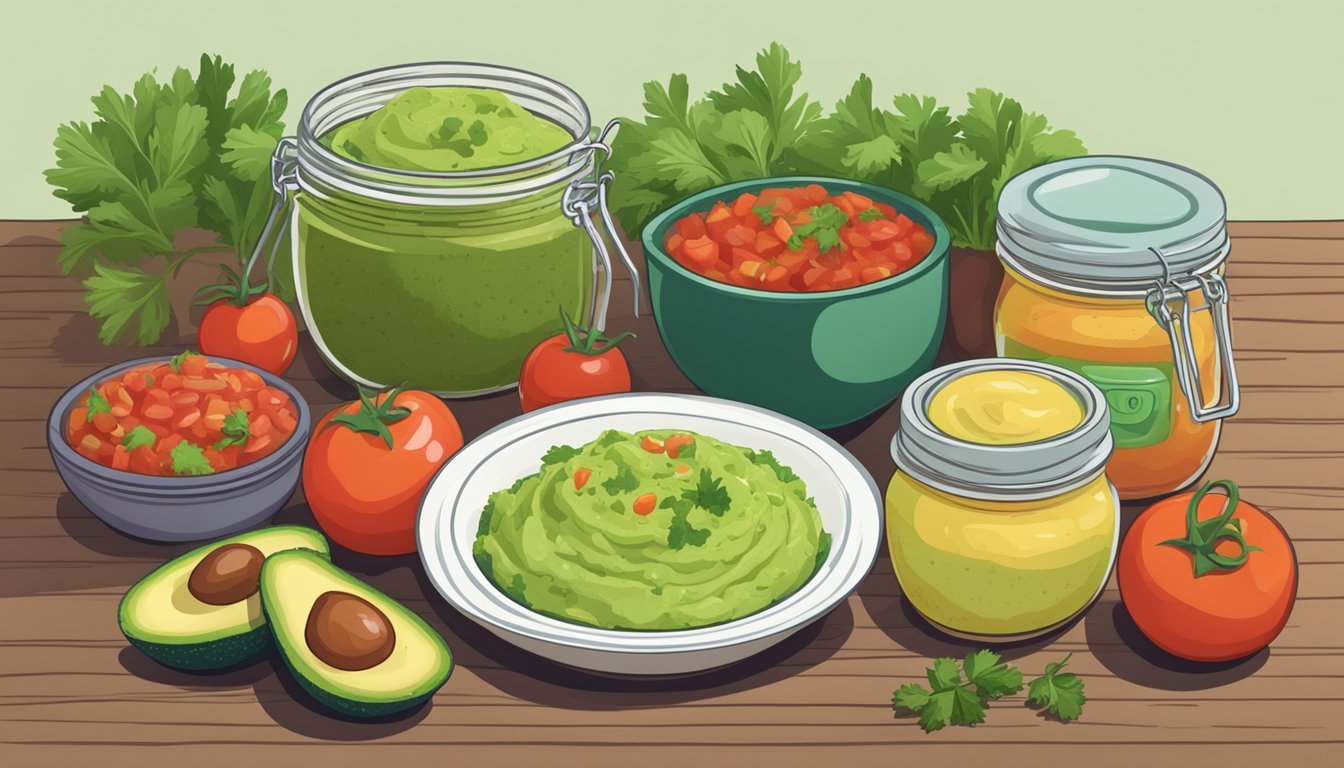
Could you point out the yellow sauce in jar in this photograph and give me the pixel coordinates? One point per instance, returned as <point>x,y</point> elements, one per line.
<point>1004,408</point>
<point>987,568</point>
<point>1010,528</point>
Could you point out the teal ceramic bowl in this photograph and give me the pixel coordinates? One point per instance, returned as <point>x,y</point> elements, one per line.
<point>826,358</point>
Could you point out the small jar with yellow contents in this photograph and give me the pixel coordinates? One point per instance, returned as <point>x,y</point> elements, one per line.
<point>1000,520</point>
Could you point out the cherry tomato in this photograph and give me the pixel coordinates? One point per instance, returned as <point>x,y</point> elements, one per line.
<point>577,363</point>
<point>1208,577</point>
<point>369,463</point>
<point>262,332</point>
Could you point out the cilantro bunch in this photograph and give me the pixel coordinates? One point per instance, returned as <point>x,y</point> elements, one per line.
<point>758,127</point>
<point>165,157</point>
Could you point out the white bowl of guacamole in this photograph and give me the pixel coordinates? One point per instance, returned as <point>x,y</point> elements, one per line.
<point>573,533</point>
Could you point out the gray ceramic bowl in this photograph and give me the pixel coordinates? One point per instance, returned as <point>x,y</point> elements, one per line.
<point>180,508</point>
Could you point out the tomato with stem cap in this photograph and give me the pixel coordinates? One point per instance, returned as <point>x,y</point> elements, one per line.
<point>1212,589</point>
<point>246,322</point>
<point>581,362</point>
<point>368,465</point>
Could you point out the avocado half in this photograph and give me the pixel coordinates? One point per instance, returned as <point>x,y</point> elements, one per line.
<point>419,664</point>
<point>161,617</point>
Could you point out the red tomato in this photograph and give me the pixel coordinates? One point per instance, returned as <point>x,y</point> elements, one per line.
<point>368,465</point>
<point>1208,577</point>
<point>577,363</point>
<point>262,332</point>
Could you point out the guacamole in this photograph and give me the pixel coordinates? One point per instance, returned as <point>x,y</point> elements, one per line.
<point>656,530</point>
<point>447,298</point>
<point>447,129</point>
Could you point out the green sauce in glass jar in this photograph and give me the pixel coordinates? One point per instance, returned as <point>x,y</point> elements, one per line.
<point>442,215</point>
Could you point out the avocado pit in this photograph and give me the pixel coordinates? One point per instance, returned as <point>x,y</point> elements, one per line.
<point>226,575</point>
<point>348,632</point>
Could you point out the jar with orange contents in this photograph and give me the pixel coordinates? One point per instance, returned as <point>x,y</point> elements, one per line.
<point>1114,269</point>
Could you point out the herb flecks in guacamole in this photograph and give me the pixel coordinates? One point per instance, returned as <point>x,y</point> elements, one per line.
<point>447,129</point>
<point>732,532</point>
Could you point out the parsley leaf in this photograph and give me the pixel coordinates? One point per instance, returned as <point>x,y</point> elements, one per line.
<point>742,131</point>
<point>138,437</point>
<point>950,700</point>
<point>123,299</point>
<point>785,474</point>
<point>559,453</point>
<point>1059,694</point>
<point>823,225</point>
<point>766,212</point>
<point>189,459</point>
<point>871,214</point>
<point>708,494</point>
<point>991,678</point>
<point>236,429</point>
<point>681,532</point>
<point>97,404</point>
<point>623,481</point>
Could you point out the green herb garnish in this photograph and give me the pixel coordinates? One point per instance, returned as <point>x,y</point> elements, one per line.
<point>708,494</point>
<point>236,429</point>
<point>680,532</point>
<point>767,458</point>
<point>871,214</point>
<point>623,481</point>
<point>97,404</point>
<point>189,459</point>
<point>138,437</point>
<point>559,453</point>
<point>824,227</point>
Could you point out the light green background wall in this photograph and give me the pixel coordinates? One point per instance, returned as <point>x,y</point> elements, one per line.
<point>1246,92</point>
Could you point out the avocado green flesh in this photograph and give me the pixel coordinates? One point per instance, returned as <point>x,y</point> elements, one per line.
<point>583,555</point>
<point>420,662</point>
<point>161,617</point>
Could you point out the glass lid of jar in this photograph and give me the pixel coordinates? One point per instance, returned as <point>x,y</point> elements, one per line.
<point>1106,224</point>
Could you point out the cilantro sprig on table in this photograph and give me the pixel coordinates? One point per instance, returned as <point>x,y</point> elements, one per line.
<point>163,158</point>
<point>1060,694</point>
<point>759,126</point>
<point>959,695</point>
<point>952,699</point>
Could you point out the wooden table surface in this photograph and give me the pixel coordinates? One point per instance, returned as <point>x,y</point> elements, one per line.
<point>73,693</point>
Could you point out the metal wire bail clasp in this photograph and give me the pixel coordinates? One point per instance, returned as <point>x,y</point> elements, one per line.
<point>1169,303</point>
<point>284,180</point>
<point>579,201</point>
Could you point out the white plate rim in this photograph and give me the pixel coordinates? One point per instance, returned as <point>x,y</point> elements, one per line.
<point>451,571</point>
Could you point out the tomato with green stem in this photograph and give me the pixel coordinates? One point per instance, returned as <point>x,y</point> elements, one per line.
<point>369,462</point>
<point>581,362</point>
<point>1212,589</point>
<point>247,322</point>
